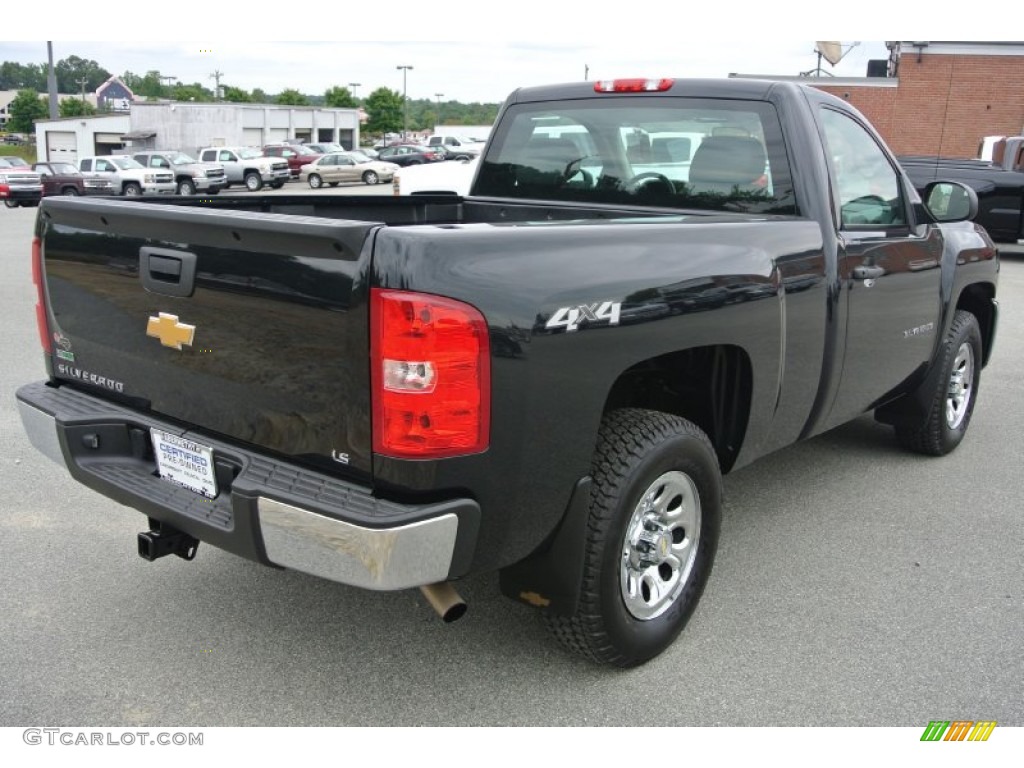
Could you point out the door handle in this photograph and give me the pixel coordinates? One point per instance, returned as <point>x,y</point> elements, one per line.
<point>867,273</point>
<point>167,272</point>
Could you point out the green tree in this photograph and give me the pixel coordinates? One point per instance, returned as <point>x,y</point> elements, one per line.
<point>76,108</point>
<point>194,92</point>
<point>27,107</point>
<point>149,86</point>
<point>15,76</point>
<point>292,97</point>
<point>236,95</point>
<point>259,96</point>
<point>384,111</point>
<point>339,97</point>
<point>73,69</point>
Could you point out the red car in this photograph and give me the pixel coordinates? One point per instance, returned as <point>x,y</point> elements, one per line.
<point>296,155</point>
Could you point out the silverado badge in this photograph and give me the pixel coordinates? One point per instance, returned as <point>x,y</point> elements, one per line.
<point>170,332</point>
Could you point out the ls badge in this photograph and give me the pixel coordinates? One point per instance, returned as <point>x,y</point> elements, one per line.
<point>170,332</point>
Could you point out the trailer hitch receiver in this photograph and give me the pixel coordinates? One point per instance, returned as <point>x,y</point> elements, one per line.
<point>162,540</point>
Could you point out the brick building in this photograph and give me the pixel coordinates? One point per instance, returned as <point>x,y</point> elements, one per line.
<point>939,98</point>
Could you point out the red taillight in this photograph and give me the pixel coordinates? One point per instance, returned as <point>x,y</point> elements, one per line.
<point>37,278</point>
<point>633,85</point>
<point>5,191</point>
<point>431,376</point>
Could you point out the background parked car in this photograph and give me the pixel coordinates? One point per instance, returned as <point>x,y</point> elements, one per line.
<point>190,176</point>
<point>19,185</point>
<point>342,166</point>
<point>325,148</point>
<point>245,165</point>
<point>60,179</point>
<point>452,178</point>
<point>410,154</point>
<point>296,155</point>
<point>127,177</point>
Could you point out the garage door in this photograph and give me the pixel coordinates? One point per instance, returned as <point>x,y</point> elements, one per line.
<point>62,147</point>
<point>275,135</point>
<point>252,137</point>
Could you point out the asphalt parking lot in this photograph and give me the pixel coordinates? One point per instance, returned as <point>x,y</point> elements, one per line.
<point>855,585</point>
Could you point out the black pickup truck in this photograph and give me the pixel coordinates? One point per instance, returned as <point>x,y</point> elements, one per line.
<point>652,283</point>
<point>999,185</point>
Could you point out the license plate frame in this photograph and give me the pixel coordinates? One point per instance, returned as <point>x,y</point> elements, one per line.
<point>185,462</point>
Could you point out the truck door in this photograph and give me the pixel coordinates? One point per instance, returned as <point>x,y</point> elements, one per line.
<point>889,270</point>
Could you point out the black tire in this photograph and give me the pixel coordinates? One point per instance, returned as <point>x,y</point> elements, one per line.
<point>276,184</point>
<point>186,187</point>
<point>132,189</point>
<point>370,177</point>
<point>253,182</point>
<point>953,394</point>
<point>644,455</point>
<point>70,192</point>
<point>315,182</point>
<point>334,183</point>
<point>12,203</point>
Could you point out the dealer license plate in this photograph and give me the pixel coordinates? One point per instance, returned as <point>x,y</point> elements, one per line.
<point>185,462</point>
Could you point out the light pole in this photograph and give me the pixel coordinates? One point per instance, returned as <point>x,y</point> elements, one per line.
<point>439,95</point>
<point>405,100</point>
<point>353,86</point>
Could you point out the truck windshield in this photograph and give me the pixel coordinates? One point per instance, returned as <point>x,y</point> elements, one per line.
<point>671,152</point>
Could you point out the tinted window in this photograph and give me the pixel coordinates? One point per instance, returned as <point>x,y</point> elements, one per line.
<point>672,152</point>
<point>867,185</point>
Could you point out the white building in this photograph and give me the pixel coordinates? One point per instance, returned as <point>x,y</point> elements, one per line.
<point>189,126</point>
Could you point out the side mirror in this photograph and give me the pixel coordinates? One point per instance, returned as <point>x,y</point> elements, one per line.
<point>950,201</point>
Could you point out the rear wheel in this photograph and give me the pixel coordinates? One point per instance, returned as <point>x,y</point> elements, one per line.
<point>253,182</point>
<point>276,184</point>
<point>953,394</point>
<point>655,514</point>
<point>315,182</point>
<point>369,177</point>
<point>11,203</point>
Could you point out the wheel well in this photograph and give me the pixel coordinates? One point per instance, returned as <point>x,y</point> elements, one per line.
<point>977,299</point>
<point>710,386</point>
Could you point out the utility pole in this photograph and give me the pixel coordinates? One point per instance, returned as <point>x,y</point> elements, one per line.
<point>586,71</point>
<point>216,76</point>
<point>353,86</point>
<point>82,83</point>
<point>405,99</point>
<point>51,84</point>
<point>439,95</point>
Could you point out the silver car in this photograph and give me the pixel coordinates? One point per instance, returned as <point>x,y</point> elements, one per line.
<point>341,166</point>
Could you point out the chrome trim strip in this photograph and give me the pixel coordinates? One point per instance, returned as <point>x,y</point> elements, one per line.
<point>41,429</point>
<point>373,558</point>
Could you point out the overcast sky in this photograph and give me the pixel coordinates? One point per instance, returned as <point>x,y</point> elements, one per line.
<point>470,51</point>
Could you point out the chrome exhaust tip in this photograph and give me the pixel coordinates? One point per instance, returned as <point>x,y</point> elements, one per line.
<point>445,600</point>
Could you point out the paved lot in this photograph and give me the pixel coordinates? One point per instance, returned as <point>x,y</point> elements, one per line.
<point>855,585</point>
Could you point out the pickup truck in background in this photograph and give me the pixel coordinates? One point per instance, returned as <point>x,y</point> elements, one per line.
<point>999,184</point>
<point>190,177</point>
<point>547,377</point>
<point>458,148</point>
<point>244,165</point>
<point>127,177</point>
<point>20,186</point>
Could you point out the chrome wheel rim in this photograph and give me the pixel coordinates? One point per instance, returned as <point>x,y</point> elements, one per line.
<point>660,545</point>
<point>961,386</point>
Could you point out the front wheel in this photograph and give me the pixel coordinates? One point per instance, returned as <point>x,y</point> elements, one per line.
<point>953,393</point>
<point>655,514</point>
<point>186,187</point>
<point>253,182</point>
<point>70,192</point>
<point>369,177</point>
<point>132,190</point>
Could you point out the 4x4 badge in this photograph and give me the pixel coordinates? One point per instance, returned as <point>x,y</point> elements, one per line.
<point>170,332</point>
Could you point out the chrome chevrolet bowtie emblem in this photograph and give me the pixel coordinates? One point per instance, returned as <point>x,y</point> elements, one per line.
<point>170,332</point>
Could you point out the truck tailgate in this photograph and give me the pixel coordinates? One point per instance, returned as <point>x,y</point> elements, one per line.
<point>249,327</point>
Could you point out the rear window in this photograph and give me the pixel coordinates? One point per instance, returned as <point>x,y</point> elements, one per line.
<point>672,152</point>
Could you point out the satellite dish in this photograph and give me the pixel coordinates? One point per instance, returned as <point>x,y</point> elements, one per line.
<point>830,50</point>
